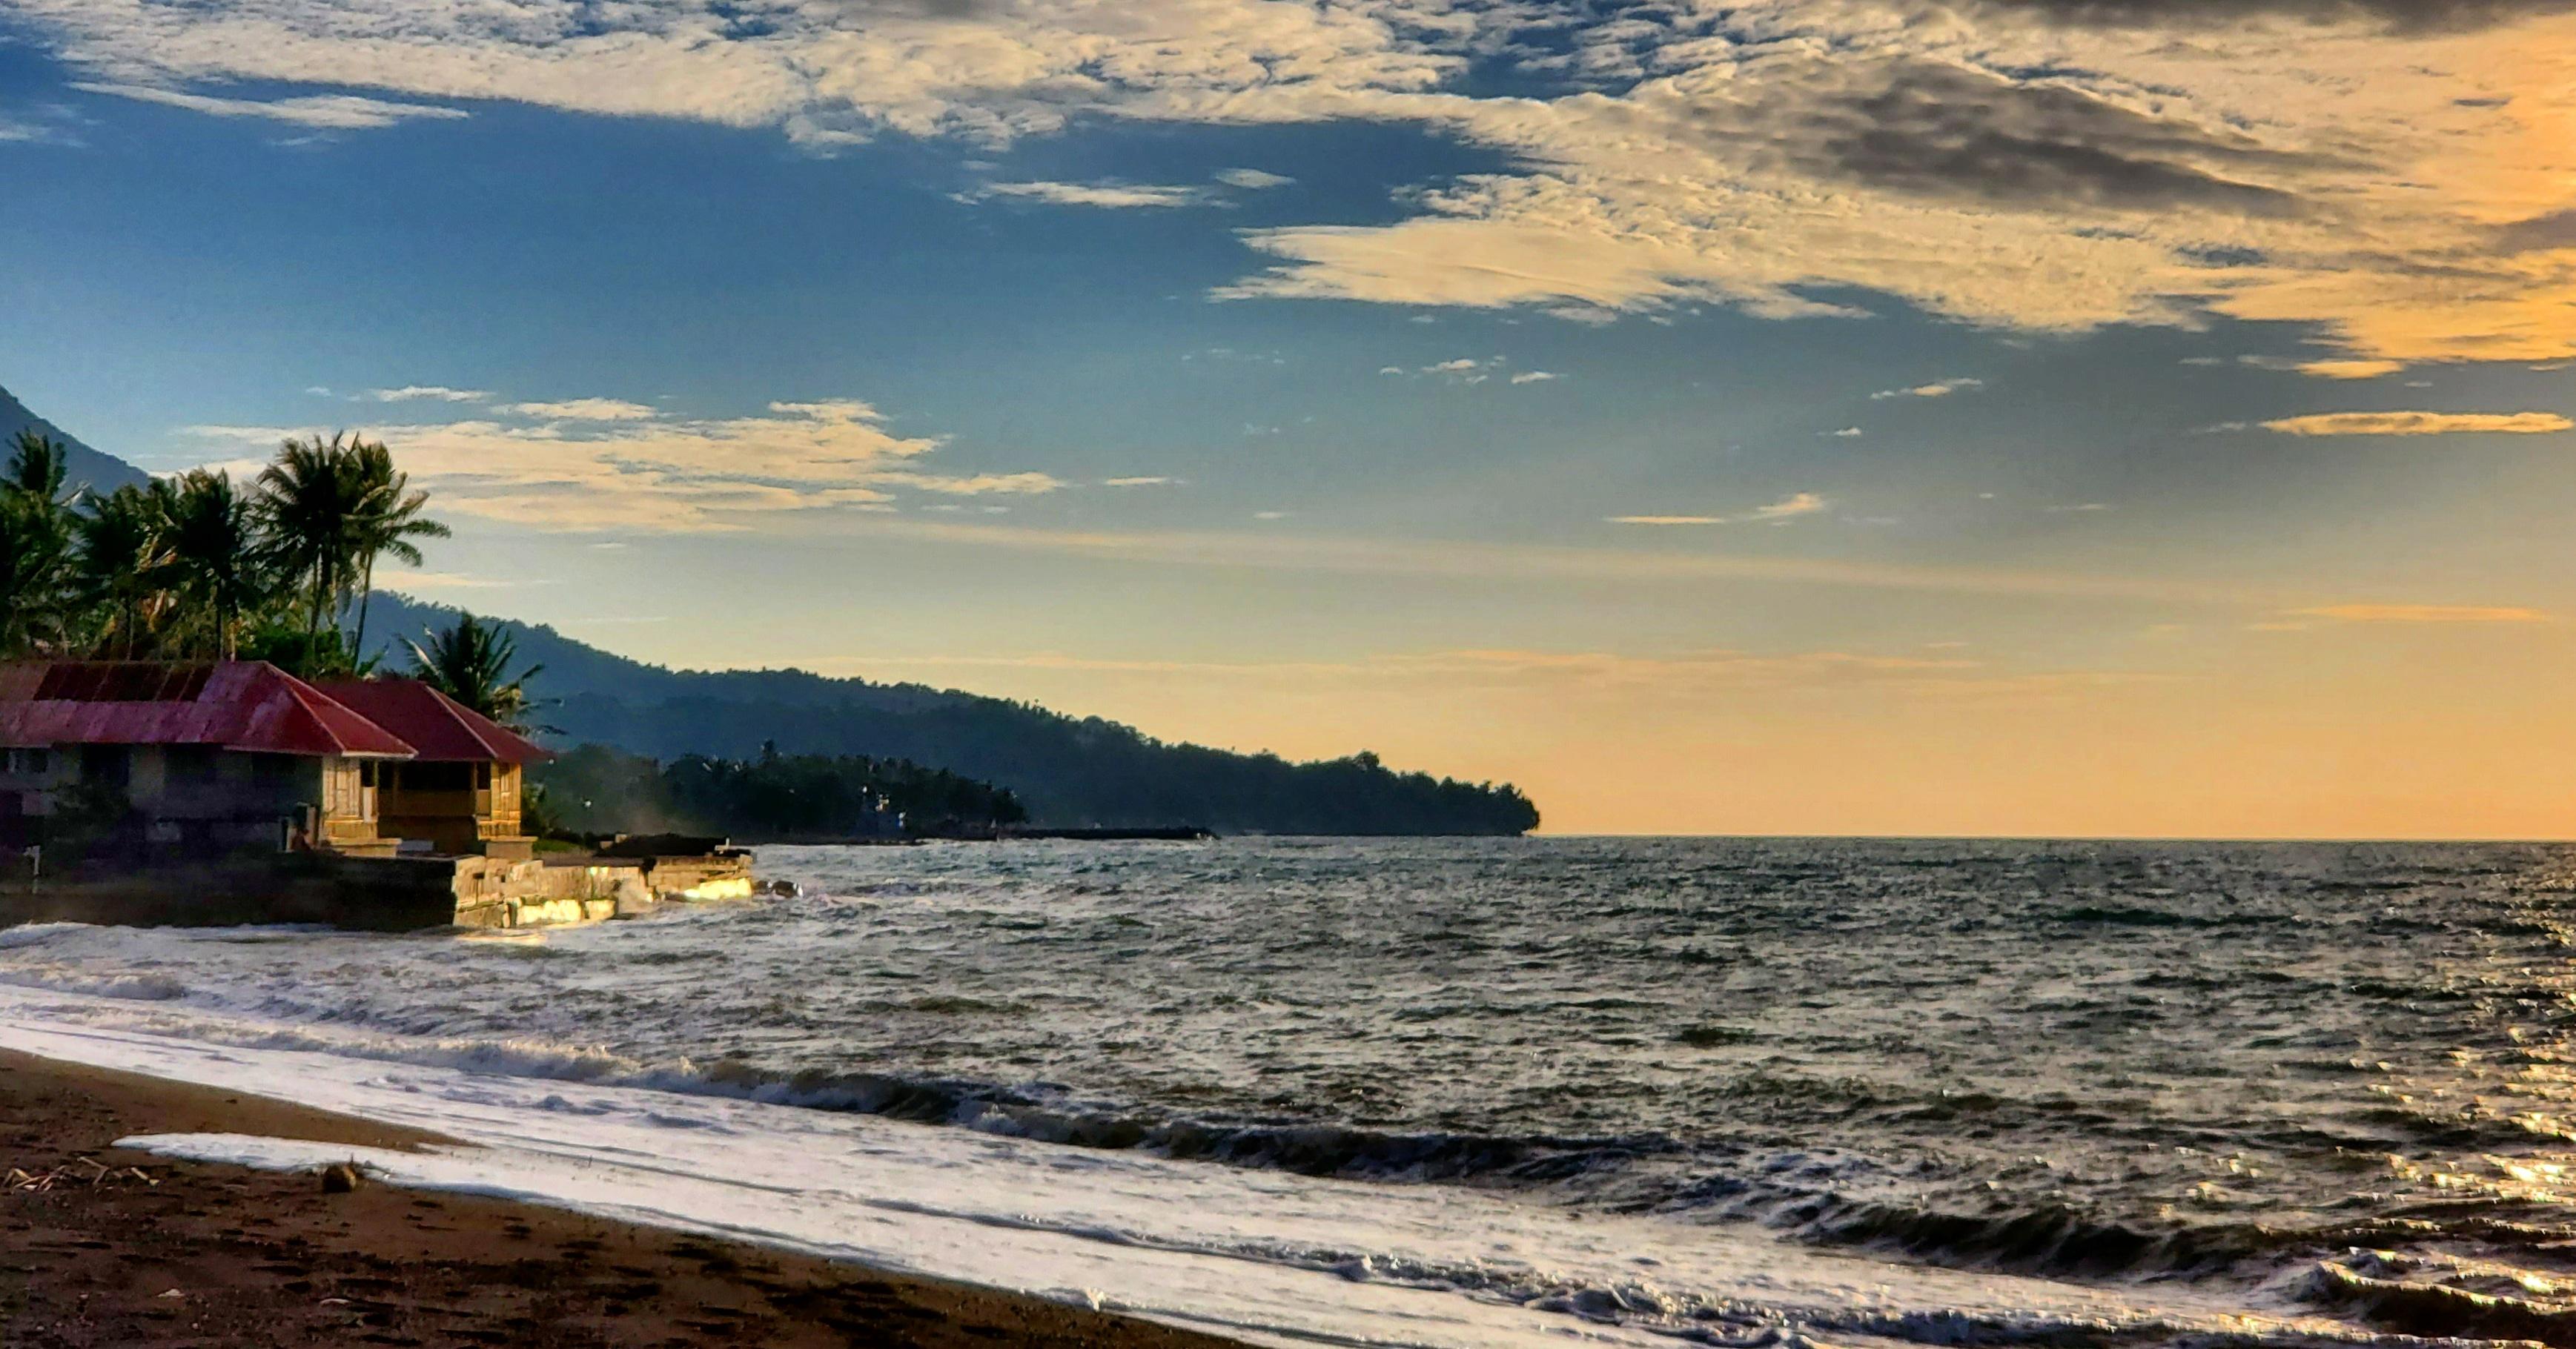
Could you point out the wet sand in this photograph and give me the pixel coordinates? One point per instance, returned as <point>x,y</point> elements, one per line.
<point>214,1255</point>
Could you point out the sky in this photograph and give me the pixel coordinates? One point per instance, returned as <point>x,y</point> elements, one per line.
<point>2002,417</point>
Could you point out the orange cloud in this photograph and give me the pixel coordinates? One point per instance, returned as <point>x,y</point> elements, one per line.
<point>2420,424</point>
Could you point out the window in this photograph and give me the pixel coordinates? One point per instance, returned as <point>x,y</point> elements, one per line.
<point>192,765</point>
<point>106,765</point>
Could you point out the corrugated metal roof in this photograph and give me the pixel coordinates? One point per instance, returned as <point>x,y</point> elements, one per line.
<point>442,729</point>
<point>241,705</point>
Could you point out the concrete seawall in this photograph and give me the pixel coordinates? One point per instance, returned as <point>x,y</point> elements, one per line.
<point>376,894</point>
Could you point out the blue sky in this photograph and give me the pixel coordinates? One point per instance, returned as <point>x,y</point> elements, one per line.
<point>1971,418</point>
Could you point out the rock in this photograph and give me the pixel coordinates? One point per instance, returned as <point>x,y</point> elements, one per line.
<point>339,1179</point>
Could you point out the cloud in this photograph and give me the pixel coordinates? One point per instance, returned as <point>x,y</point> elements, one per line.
<point>1115,196</point>
<point>588,410</point>
<point>48,124</point>
<point>1451,558</point>
<point>1779,512</point>
<point>1624,675</point>
<point>2350,369</point>
<point>2378,171</point>
<point>445,580</point>
<point>2420,424</point>
<point>1253,179</point>
<point>2402,15</point>
<point>1138,482</point>
<point>1453,367</point>
<point>980,484</point>
<point>1846,433</point>
<point>665,474</point>
<point>438,392</point>
<point>2419,613</point>
<point>1534,376</point>
<point>1787,508</point>
<point>1937,389</point>
<point>330,112</point>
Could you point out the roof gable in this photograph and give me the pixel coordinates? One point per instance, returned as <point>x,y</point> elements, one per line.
<point>440,728</point>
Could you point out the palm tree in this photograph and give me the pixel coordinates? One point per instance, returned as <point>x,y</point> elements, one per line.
<point>218,560</point>
<point>470,663</point>
<point>386,521</point>
<point>121,565</point>
<point>35,552</point>
<point>37,465</point>
<point>308,500</point>
<point>38,602</point>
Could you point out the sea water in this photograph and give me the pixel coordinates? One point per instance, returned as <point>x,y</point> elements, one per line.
<point>1493,1092</point>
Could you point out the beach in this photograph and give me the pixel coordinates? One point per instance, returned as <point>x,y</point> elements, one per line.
<point>210,1254</point>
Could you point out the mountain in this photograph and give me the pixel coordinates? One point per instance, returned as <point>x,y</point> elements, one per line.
<point>1070,772</point>
<point>84,466</point>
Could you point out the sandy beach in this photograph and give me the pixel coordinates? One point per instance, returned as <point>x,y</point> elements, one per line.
<point>212,1255</point>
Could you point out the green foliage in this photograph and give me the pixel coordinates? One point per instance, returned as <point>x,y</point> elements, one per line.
<point>218,560</point>
<point>193,568</point>
<point>470,662</point>
<point>315,655</point>
<point>36,592</point>
<point>595,789</point>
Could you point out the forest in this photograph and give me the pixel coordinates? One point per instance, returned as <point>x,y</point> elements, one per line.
<point>771,797</point>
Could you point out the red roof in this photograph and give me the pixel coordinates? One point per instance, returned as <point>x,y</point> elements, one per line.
<point>442,729</point>
<point>241,705</point>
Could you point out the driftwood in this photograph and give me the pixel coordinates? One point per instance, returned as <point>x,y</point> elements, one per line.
<point>85,1171</point>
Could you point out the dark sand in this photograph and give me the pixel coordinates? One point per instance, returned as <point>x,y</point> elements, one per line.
<point>263,1259</point>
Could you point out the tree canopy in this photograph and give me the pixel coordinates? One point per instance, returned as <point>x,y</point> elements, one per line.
<point>193,568</point>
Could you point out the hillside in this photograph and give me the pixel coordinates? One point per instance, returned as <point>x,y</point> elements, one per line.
<point>85,466</point>
<point>1070,772</point>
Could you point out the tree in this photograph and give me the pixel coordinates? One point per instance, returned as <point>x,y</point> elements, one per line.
<point>309,501</point>
<point>121,567</point>
<point>386,520</point>
<point>36,600</point>
<point>470,662</point>
<point>35,553</point>
<point>36,467</point>
<point>218,560</point>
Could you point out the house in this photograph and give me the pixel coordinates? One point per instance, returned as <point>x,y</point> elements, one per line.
<point>234,792</point>
<point>211,756</point>
<point>460,791</point>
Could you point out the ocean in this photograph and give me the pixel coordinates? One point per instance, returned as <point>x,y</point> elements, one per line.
<point>1489,1092</point>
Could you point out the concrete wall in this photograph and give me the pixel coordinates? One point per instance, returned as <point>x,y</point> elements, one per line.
<point>380,894</point>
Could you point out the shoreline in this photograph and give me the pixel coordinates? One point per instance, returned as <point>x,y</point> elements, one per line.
<point>269,1258</point>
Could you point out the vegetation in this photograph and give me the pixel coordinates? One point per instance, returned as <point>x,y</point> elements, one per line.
<point>597,790</point>
<point>192,567</point>
<point>470,662</point>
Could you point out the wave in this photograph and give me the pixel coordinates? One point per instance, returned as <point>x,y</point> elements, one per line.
<point>2373,1285</point>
